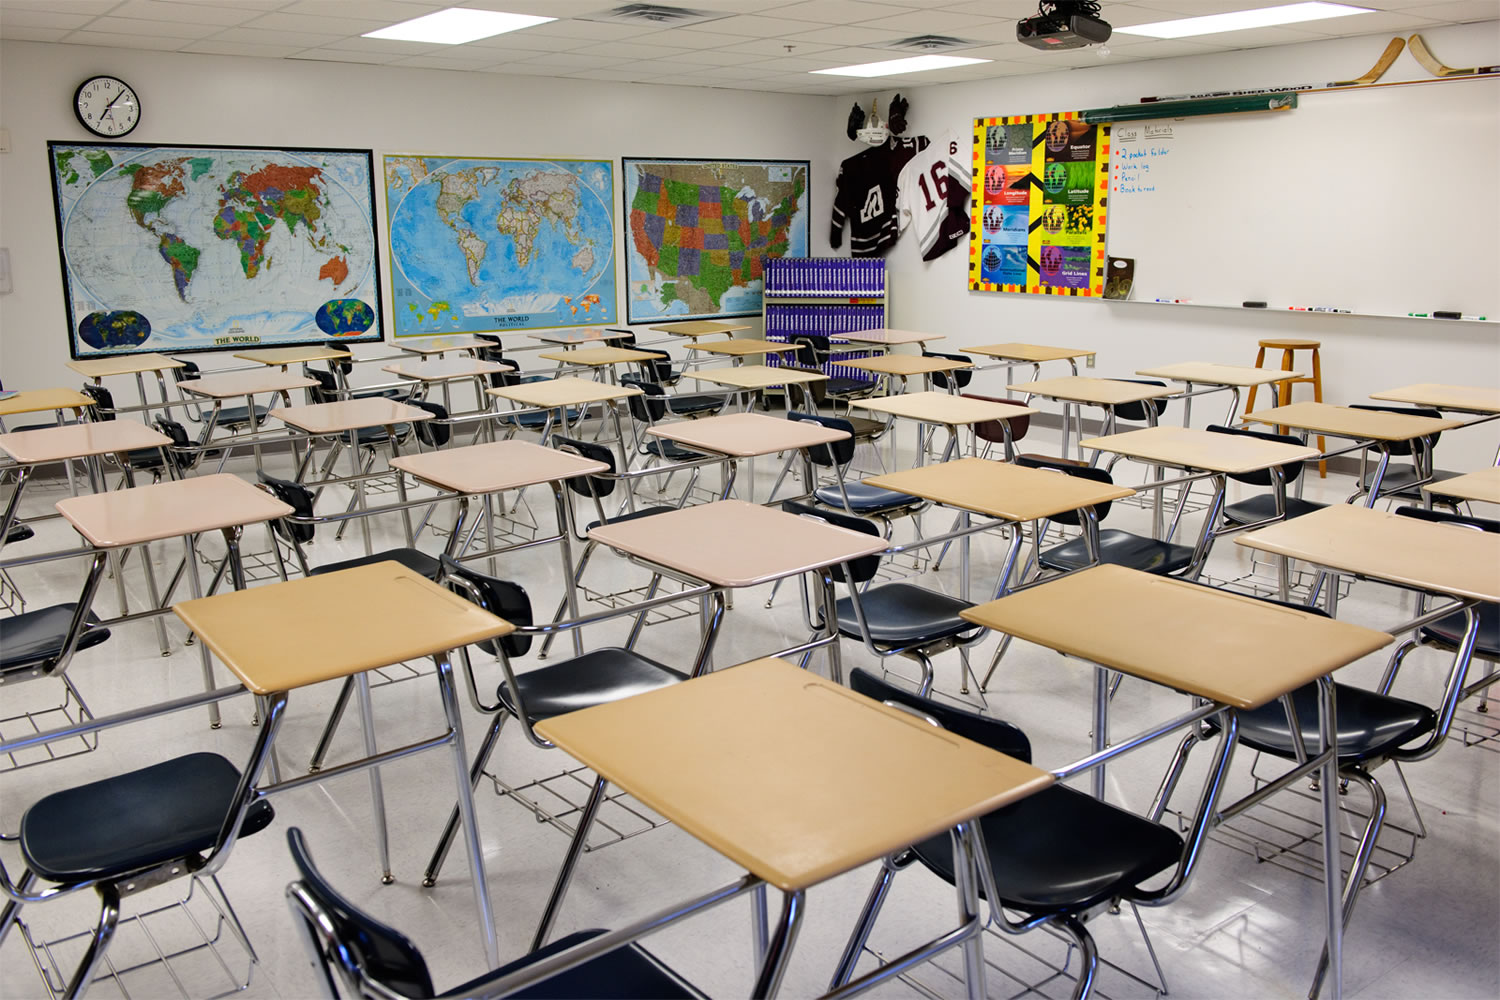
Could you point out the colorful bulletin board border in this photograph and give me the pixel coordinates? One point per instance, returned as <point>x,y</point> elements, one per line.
<point>1041,186</point>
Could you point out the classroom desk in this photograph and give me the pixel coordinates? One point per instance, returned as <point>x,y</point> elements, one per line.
<point>942,408</point>
<point>746,435</point>
<point>443,372</point>
<point>593,335</point>
<point>1032,354</point>
<point>1460,398</point>
<point>696,328</point>
<point>754,378</point>
<point>1191,450</point>
<point>350,416</point>
<point>1222,377</point>
<point>739,348</point>
<point>598,357</point>
<point>45,445</point>
<point>1483,486</point>
<point>562,394</point>
<point>283,356</point>
<point>128,364</point>
<point>888,338</point>
<point>1203,642</point>
<point>402,616</point>
<point>42,400</point>
<point>1102,392</point>
<point>904,366</point>
<point>1370,427</point>
<point>744,760</point>
<point>182,508</point>
<point>442,345</point>
<point>228,385</point>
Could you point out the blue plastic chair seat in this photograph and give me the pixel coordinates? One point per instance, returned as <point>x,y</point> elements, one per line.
<point>864,498</point>
<point>1263,505</point>
<point>900,614</point>
<point>1121,548</point>
<point>33,637</point>
<point>1370,724</point>
<point>632,516</point>
<point>595,678</point>
<point>415,560</point>
<point>1450,630</point>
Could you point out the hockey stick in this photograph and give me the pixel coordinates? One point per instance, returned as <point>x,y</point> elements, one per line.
<point>1387,58</point>
<point>1392,50</point>
<point>1430,64</point>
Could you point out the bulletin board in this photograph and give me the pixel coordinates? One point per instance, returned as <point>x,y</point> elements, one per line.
<point>1037,226</point>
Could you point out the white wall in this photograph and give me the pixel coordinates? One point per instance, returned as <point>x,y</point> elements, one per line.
<point>1360,355</point>
<point>215,99</point>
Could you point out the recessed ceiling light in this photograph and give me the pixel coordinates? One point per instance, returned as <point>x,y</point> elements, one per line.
<point>916,64</point>
<point>1263,17</point>
<point>457,25</point>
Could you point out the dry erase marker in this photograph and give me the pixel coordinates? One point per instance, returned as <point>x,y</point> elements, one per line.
<point>1300,309</point>
<point>1328,309</point>
<point>1418,315</point>
<point>1253,305</point>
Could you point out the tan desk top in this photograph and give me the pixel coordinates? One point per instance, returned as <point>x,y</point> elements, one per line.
<point>598,357</point>
<point>1451,397</point>
<point>1207,373</point>
<point>568,391</point>
<point>696,328</point>
<point>230,384</point>
<point>53,444</point>
<point>731,543</point>
<point>1197,449</point>
<point>349,414</point>
<point>169,510</point>
<point>888,337</point>
<point>739,347</point>
<point>1483,485</point>
<point>999,489</point>
<point>277,637</point>
<point>1099,391</point>
<point>499,465</point>
<point>1341,421</point>
<point>444,369</point>
<point>743,435</point>
<point>944,408</point>
<point>124,364</point>
<point>439,345</point>
<point>1034,353</point>
<point>580,336</point>
<point>905,364</point>
<point>292,355</point>
<point>1441,558</point>
<point>1191,638</point>
<point>792,777</point>
<point>754,376</point>
<point>37,400</point>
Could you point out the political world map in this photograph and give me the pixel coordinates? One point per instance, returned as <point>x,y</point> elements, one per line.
<point>698,232</point>
<point>484,245</point>
<point>180,248</point>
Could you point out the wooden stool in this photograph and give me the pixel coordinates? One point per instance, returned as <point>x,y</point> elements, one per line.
<point>1289,347</point>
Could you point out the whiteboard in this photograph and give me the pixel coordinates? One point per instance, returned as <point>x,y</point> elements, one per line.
<point>1379,201</point>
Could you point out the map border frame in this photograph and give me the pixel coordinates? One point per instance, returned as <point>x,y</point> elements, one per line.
<point>375,337</point>
<point>625,162</point>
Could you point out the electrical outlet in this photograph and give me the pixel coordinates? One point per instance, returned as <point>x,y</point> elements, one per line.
<point>1088,362</point>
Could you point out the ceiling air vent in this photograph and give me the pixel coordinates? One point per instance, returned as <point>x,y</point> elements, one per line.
<point>654,15</point>
<point>928,43</point>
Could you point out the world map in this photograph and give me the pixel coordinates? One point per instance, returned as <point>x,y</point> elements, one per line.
<point>172,248</point>
<point>699,232</point>
<point>485,245</point>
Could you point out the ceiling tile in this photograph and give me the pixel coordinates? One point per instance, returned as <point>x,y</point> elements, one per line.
<point>716,57</point>
<point>545,8</point>
<point>383,46</point>
<point>88,7</point>
<point>25,34</point>
<point>11,17</point>
<point>346,56</point>
<point>211,46</point>
<point>308,24</point>
<point>263,36</point>
<point>257,5</point>
<point>995,8</point>
<point>628,50</point>
<point>845,35</point>
<point>112,39</point>
<point>386,10</point>
<point>690,37</point>
<point>595,31</point>
<point>841,11</point>
<point>161,29</point>
<point>528,40</point>
<point>568,61</point>
<point>771,47</point>
<point>924,22</point>
<point>757,26</point>
<point>1462,12</point>
<point>184,13</point>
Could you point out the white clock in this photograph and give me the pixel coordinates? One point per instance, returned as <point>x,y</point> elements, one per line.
<point>107,106</point>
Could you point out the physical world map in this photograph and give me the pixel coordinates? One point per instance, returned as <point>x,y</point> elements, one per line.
<point>698,232</point>
<point>172,248</point>
<point>482,245</point>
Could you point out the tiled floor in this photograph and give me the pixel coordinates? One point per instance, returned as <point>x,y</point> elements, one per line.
<point>1243,928</point>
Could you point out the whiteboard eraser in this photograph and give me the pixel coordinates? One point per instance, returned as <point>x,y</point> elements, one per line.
<point>1252,305</point>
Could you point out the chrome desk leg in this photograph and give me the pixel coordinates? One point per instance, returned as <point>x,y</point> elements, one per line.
<point>466,809</point>
<point>779,951</point>
<point>1101,725</point>
<point>1329,790</point>
<point>760,924</point>
<point>377,789</point>
<point>966,883</point>
<point>195,586</point>
<point>570,860</point>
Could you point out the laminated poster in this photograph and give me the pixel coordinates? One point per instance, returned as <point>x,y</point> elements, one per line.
<point>1039,229</point>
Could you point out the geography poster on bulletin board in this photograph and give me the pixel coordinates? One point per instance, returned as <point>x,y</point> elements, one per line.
<point>698,231</point>
<point>1039,227</point>
<point>490,245</point>
<point>199,248</point>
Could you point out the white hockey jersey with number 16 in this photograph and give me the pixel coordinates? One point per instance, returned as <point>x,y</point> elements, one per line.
<point>933,196</point>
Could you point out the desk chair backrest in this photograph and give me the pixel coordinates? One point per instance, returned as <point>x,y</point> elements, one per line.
<point>435,432</point>
<point>1403,447</point>
<point>1445,517</point>
<point>500,598</point>
<point>626,341</point>
<point>649,408</point>
<point>181,458</point>
<point>962,376</point>
<point>835,455</point>
<point>864,567</point>
<point>1137,411</point>
<point>597,487</point>
<point>1101,510</point>
<point>344,365</point>
<point>813,350</point>
<point>996,734</point>
<point>360,948</point>
<point>327,389</point>
<point>104,401</point>
<point>660,366</point>
<point>1262,477</point>
<point>993,430</point>
<point>295,496</point>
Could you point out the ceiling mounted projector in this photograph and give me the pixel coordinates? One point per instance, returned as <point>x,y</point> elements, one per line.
<point>1063,24</point>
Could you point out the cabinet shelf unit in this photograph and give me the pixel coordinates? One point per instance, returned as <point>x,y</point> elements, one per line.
<point>825,296</point>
